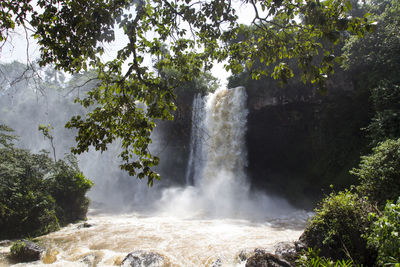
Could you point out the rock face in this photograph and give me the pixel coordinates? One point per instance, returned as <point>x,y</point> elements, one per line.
<point>297,148</point>
<point>141,258</point>
<point>26,251</point>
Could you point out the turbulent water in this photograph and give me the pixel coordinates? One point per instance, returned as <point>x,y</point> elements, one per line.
<point>183,242</point>
<point>213,218</point>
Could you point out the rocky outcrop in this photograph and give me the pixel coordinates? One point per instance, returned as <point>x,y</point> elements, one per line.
<point>26,251</point>
<point>290,251</point>
<point>266,260</point>
<point>298,149</point>
<point>141,258</point>
<point>285,255</point>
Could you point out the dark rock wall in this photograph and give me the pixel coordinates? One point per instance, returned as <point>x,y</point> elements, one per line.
<point>298,149</point>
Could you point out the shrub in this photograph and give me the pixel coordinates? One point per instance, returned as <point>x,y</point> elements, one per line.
<point>36,193</point>
<point>385,233</point>
<point>338,226</point>
<point>379,173</point>
<point>26,208</point>
<point>68,186</point>
<point>311,258</point>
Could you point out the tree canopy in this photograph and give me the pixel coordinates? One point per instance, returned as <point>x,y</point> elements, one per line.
<point>72,34</point>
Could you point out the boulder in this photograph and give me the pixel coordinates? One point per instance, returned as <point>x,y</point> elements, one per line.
<point>5,243</point>
<point>89,260</point>
<point>26,251</point>
<point>265,259</point>
<point>85,225</point>
<point>216,263</point>
<point>141,258</point>
<point>287,251</point>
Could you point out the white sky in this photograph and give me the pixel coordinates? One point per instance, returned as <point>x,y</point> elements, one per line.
<point>17,47</point>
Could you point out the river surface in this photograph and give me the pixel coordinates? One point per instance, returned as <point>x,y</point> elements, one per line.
<point>183,242</point>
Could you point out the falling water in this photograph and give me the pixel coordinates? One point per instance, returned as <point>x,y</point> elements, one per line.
<point>218,153</point>
<point>195,154</point>
<point>217,162</point>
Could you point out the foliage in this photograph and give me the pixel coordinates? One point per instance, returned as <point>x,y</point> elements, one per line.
<point>379,173</point>
<point>374,63</point>
<point>311,258</point>
<point>386,122</point>
<point>338,226</point>
<point>26,208</point>
<point>5,137</point>
<point>72,33</point>
<point>384,235</point>
<point>377,56</point>
<point>68,187</point>
<point>45,129</point>
<point>37,194</point>
<point>17,248</point>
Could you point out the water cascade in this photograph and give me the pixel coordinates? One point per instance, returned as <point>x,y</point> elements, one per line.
<point>218,152</point>
<point>216,178</point>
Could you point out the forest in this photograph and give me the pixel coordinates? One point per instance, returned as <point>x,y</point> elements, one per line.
<point>323,124</point>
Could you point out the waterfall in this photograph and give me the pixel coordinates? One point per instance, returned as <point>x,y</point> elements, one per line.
<point>217,185</point>
<point>225,126</point>
<point>195,154</point>
<point>218,153</point>
<point>217,137</point>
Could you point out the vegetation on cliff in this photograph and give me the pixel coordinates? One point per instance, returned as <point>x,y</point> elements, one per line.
<point>369,235</point>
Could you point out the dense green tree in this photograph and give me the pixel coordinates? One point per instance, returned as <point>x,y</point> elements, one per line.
<point>36,194</point>
<point>379,173</point>
<point>374,65</point>
<point>71,35</point>
<point>377,56</point>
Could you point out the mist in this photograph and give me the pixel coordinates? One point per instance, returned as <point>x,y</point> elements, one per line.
<point>218,186</point>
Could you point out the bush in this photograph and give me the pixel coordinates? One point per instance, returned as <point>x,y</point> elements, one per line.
<point>311,258</point>
<point>379,173</point>
<point>68,186</point>
<point>385,233</point>
<point>37,194</point>
<point>338,226</point>
<point>26,208</point>
<point>386,122</point>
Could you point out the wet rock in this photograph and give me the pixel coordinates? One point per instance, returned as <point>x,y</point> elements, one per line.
<point>300,246</point>
<point>85,225</point>
<point>26,251</point>
<point>287,251</point>
<point>243,255</point>
<point>5,243</point>
<point>265,259</point>
<point>216,263</point>
<point>141,258</point>
<point>89,260</point>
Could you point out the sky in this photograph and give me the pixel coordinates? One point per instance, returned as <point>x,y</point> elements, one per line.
<point>19,46</point>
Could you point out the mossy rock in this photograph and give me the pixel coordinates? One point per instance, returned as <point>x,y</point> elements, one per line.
<point>25,251</point>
